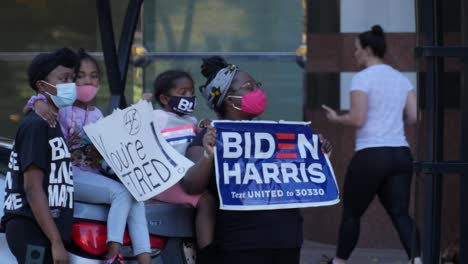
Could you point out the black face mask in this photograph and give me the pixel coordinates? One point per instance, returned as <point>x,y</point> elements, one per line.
<point>182,104</point>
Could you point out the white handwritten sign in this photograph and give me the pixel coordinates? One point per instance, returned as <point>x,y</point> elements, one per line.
<point>145,163</point>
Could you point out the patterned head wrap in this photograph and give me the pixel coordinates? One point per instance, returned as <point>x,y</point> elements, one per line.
<point>216,90</point>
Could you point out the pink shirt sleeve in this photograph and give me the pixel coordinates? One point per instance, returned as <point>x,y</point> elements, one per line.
<point>64,119</point>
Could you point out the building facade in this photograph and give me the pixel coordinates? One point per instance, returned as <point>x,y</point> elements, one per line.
<point>332,27</point>
<point>261,37</point>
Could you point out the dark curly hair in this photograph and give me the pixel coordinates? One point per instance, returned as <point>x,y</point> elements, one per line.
<point>211,66</point>
<point>165,81</point>
<point>44,63</point>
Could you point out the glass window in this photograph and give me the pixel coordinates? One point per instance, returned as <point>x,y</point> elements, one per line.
<point>35,26</point>
<point>230,26</point>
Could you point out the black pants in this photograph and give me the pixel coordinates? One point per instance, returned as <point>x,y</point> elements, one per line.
<point>260,256</point>
<point>27,242</point>
<point>385,172</point>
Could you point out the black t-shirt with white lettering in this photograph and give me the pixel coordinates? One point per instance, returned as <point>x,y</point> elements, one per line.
<point>36,143</point>
<point>243,230</point>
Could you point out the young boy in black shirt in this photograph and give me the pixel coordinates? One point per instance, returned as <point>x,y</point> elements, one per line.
<point>39,182</point>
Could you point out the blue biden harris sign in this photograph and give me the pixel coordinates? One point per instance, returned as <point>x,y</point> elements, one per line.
<point>262,165</point>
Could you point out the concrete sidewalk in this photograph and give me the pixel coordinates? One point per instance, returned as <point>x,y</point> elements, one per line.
<point>312,253</point>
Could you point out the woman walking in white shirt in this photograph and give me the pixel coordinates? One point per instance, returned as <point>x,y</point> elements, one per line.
<point>382,102</point>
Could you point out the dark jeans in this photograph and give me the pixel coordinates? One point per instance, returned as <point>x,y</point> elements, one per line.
<point>385,172</point>
<point>27,242</point>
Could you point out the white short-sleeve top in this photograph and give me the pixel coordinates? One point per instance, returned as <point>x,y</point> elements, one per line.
<point>387,90</point>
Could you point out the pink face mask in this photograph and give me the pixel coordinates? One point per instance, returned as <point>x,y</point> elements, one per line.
<point>253,102</point>
<point>86,93</point>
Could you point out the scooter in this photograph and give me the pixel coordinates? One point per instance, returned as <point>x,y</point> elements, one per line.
<point>170,229</point>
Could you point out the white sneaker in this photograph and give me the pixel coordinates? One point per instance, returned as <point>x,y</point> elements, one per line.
<point>415,261</point>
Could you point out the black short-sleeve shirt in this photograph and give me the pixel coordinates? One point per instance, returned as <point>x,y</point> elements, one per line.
<point>36,143</point>
<point>240,230</point>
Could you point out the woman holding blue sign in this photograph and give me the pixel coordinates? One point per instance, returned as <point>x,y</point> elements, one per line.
<point>260,236</point>
<point>382,102</point>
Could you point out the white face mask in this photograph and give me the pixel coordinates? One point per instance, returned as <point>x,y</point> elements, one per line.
<point>66,94</point>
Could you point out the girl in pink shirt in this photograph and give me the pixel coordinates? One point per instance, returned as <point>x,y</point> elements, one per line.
<point>174,91</point>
